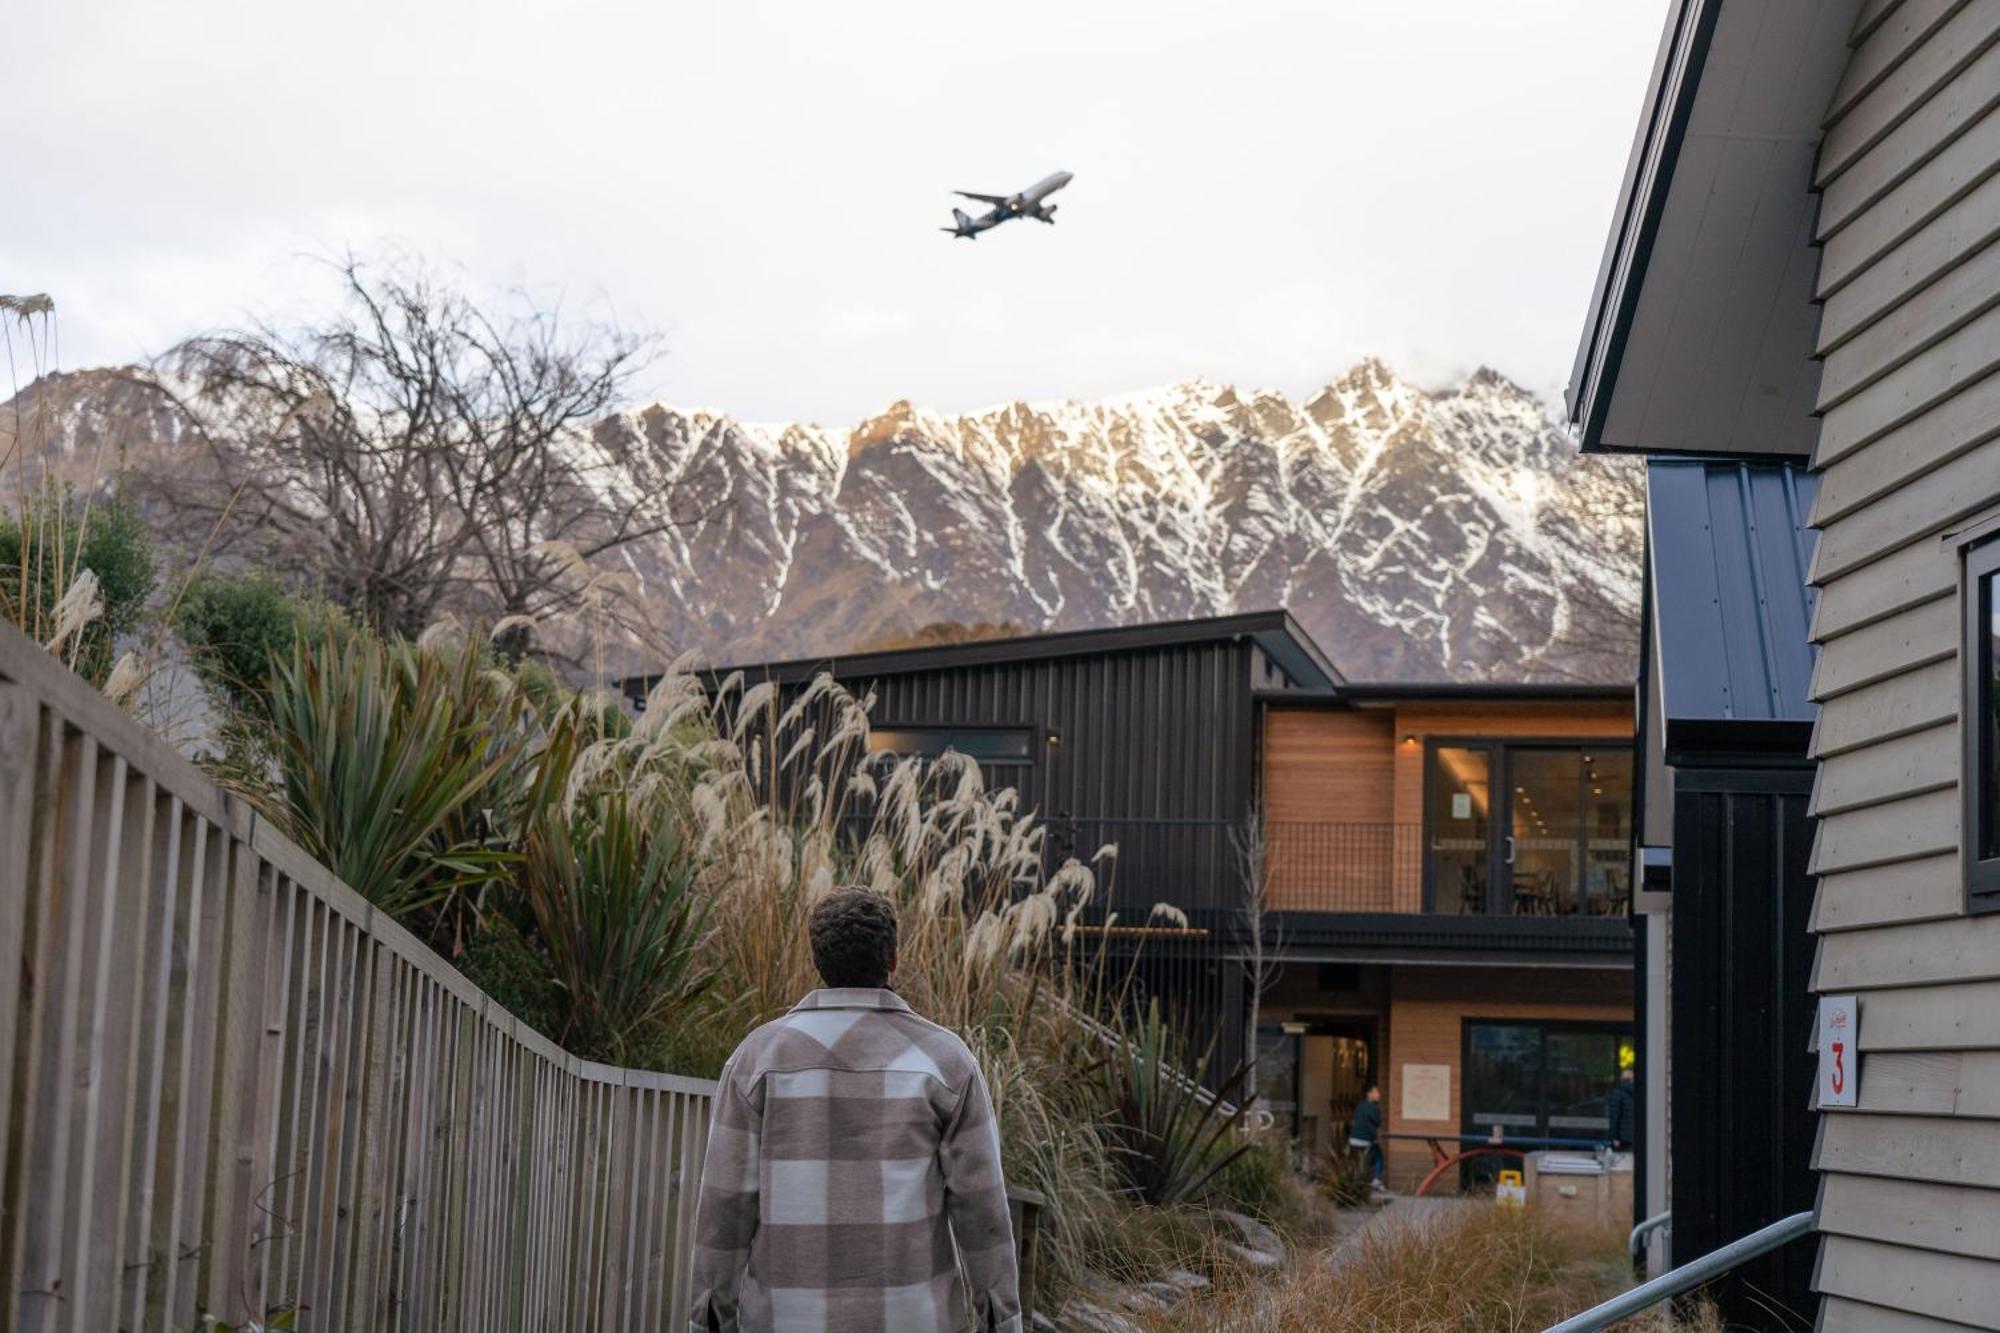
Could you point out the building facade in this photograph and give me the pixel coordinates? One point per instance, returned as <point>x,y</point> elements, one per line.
<point>1441,874</point>
<point>1803,269</point>
<point>1447,887</point>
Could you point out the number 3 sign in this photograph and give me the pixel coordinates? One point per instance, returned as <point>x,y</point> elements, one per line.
<point>1839,1062</point>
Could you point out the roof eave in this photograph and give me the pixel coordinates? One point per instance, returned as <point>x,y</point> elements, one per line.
<point>1642,196</point>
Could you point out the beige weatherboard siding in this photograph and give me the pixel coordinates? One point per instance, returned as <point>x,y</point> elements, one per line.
<point>1909,455</point>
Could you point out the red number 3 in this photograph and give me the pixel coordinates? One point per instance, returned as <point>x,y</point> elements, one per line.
<point>1839,1067</point>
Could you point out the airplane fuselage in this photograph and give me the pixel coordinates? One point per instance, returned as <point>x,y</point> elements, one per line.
<point>1029,203</point>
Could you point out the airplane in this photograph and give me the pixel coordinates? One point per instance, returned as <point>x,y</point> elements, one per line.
<point>1006,207</point>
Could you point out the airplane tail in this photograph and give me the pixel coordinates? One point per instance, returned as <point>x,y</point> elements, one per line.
<point>958,215</point>
<point>961,225</point>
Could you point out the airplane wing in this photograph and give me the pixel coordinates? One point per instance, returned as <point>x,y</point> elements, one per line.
<point>982,198</point>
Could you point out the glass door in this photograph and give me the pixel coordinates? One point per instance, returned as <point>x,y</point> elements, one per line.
<point>1529,829</point>
<point>1544,818</point>
<point>1539,1080</point>
<point>1461,827</point>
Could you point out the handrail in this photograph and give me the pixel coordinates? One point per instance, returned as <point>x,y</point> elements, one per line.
<point>1688,1276</point>
<point>1640,1232</point>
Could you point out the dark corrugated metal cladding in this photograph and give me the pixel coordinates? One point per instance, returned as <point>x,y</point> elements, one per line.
<point>1731,607</point>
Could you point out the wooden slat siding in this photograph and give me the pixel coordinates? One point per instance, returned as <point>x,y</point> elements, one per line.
<point>1951,108</point>
<point>1875,592</point>
<point>1913,1213</point>
<point>1889,78</point>
<point>1919,953</point>
<point>1885,895</point>
<point>1924,634</point>
<point>1936,500</point>
<point>1946,1017</point>
<point>1876,61</point>
<point>1873,14</point>
<point>1933,1083</point>
<point>1909,450</point>
<point>227,1086</point>
<point>1945,1150</point>
<point>1963,227</point>
<point>1911,208</point>
<point>1942,1286</point>
<point>1838,1315</point>
<point>1907,330</point>
<point>1883,834</point>
<point>1924,761</point>
<point>1917,700</point>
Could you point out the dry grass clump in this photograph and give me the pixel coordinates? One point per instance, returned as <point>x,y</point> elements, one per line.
<point>784,802</point>
<point>1474,1268</point>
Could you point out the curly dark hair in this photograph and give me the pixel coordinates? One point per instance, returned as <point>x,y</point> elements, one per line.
<point>854,938</point>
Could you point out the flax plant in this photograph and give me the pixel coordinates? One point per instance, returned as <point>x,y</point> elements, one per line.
<point>399,766</point>
<point>610,882</point>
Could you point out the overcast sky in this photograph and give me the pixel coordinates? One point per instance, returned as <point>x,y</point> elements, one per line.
<point>1264,193</point>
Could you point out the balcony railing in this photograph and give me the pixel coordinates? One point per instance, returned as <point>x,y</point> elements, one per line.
<point>1325,867</point>
<point>1199,866</point>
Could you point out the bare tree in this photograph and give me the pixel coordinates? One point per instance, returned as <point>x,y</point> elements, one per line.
<point>1260,960</point>
<point>413,452</point>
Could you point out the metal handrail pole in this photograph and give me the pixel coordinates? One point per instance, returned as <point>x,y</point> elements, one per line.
<point>1638,1236</point>
<point>1688,1276</point>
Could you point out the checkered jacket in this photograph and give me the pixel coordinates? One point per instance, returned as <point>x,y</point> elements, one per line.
<point>852,1143</point>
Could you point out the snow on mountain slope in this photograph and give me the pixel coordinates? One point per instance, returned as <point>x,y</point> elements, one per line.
<point>1417,535</point>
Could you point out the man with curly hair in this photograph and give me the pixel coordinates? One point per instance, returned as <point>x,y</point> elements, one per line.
<point>853,1162</point>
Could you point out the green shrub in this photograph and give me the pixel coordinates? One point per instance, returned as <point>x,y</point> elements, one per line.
<point>1256,1182</point>
<point>235,628</point>
<point>508,964</point>
<point>47,545</point>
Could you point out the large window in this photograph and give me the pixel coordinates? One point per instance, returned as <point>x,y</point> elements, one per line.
<point>1541,1080</point>
<point>992,747</point>
<point>1982,727</point>
<point>1529,828</point>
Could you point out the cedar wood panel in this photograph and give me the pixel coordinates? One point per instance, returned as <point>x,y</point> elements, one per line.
<point>1365,767</point>
<point>1909,174</point>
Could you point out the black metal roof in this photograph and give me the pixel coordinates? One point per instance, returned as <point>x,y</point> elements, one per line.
<point>1274,631</point>
<point>1729,551</point>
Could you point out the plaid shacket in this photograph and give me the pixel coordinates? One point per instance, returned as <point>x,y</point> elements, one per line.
<point>852,1143</point>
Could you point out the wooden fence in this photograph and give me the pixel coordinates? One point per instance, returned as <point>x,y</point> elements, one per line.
<point>228,1087</point>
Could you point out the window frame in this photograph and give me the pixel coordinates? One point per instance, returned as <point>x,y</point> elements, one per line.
<point>1026,759</point>
<point>1982,875</point>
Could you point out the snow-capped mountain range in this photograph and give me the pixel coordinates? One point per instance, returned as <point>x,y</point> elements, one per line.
<point>1417,534</point>
<point>1449,534</point>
